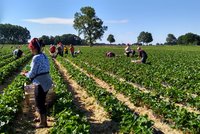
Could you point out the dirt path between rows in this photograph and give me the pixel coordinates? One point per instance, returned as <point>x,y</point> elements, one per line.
<point>140,110</point>
<point>96,115</point>
<point>189,109</point>
<point>24,123</point>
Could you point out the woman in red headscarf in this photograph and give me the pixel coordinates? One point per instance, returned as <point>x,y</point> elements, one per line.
<point>39,75</point>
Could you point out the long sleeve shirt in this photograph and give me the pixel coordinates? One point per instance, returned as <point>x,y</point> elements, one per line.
<point>40,64</point>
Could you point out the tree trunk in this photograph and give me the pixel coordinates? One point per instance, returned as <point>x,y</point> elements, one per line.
<point>91,43</point>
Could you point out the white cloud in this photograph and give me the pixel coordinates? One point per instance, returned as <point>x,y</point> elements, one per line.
<point>116,21</point>
<point>51,20</point>
<point>67,21</point>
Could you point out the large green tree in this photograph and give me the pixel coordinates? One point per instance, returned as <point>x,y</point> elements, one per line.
<point>111,38</point>
<point>171,39</point>
<point>87,23</point>
<point>145,37</point>
<point>13,34</point>
<point>189,39</point>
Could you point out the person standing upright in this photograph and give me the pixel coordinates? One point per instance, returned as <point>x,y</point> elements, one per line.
<point>71,50</point>
<point>40,77</point>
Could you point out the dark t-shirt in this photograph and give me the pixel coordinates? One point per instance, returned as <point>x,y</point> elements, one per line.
<point>19,53</point>
<point>59,49</point>
<point>142,54</point>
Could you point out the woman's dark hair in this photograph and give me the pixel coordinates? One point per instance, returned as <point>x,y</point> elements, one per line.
<point>41,43</point>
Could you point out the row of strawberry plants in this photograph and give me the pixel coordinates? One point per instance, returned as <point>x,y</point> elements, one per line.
<point>183,119</point>
<point>129,121</point>
<point>175,95</point>
<point>11,100</point>
<point>68,119</point>
<point>10,103</point>
<point>138,74</point>
<point>5,56</point>
<point>6,61</point>
<point>182,73</point>
<point>165,64</point>
<point>12,67</point>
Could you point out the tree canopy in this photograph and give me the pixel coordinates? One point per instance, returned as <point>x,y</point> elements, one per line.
<point>13,34</point>
<point>189,39</point>
<point>171,39</point>
<point>111,38</point>
<point>145,37</point>
<point>65,39</point>
<point>87,23</point>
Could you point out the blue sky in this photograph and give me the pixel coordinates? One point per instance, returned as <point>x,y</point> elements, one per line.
<point>125,18</point>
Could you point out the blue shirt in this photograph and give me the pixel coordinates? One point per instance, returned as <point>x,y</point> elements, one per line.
<point>40,64</point>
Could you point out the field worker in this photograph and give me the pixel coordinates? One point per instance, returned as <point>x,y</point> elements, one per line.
<point>142,55</point>
<point>60,49</point>
<point>39,75</point>
<point>17,52</point>
<point>71,48</point>
<point>129,51</point>
<point>53,51</point>
<point>65,49</point>
<point>77,52</point>
<point>110,54</point>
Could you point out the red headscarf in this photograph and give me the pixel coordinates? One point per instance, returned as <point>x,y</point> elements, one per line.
<point>34,44</point>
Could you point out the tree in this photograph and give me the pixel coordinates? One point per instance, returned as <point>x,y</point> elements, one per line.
<point>111,38</point>
<point>57,39</point>
<point>70,39</point>
<point>145,37</point>
<point>88,24</point>
<point>13,34</point>
<point>51,38</point>
<point>45,39</point>
<point>189,39</point>
<point>171,39</point>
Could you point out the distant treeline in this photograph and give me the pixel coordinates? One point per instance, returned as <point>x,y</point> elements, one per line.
<point>13,34</point>
<point>187,39</point>
<point>64,39</point>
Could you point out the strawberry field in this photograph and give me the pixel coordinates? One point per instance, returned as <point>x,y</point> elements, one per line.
<point>98,94</point>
